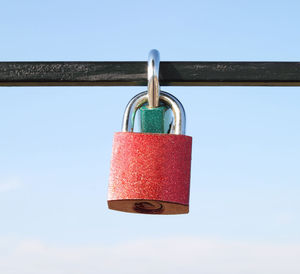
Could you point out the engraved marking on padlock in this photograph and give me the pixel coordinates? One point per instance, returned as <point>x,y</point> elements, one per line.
<point>140,99</point>
<point>152,207</point>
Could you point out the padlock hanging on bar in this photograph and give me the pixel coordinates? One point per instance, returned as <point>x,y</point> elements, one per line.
<point>150,172</point>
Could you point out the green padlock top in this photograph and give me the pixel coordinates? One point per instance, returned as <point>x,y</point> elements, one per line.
<point>153,119</point>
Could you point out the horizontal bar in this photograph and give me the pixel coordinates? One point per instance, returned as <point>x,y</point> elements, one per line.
<point>135,73</point>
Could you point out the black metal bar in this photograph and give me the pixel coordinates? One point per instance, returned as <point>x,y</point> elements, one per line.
<point>135,73</point>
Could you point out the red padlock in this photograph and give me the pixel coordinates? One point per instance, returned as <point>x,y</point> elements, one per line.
<point>150,172</point>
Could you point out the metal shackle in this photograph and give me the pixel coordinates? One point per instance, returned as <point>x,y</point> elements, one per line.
<point>178,125</point>
<point>153,78</point>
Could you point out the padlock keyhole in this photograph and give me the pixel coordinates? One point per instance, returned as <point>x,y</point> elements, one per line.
<point>148,207</point>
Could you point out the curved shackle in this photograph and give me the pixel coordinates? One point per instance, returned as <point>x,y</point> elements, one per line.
<point>178,126</point>
<point>153,78</point>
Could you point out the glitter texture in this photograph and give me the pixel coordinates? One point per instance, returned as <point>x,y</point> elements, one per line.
<point>150,167</point>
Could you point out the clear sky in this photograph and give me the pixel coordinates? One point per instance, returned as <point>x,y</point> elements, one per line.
<point>55,143</point>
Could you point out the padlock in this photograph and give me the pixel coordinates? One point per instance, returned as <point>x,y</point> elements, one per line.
<point>150,172</point>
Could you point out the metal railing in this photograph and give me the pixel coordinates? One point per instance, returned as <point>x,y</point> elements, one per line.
<point>135,74</point>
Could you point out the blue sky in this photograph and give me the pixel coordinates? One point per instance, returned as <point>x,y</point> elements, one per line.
<point>55,143</point>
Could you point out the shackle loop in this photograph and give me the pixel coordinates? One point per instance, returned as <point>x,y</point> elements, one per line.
<point>153,79</point>
<point>153,96</point>
<point>178,126</point>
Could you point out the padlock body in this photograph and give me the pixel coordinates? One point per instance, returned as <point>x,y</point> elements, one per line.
<point>150,173</point>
